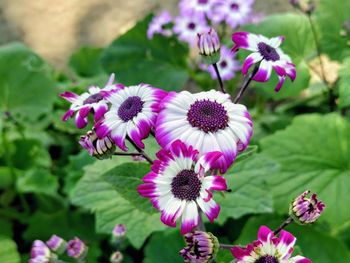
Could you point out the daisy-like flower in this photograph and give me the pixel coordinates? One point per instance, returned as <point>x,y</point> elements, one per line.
<point>269,249</point>
<point>100,148</point>
<point>158,25</point>
<point>227,65</point>
<point>196,6</point>
<point>306,210</point>
<point>208,121</point>
<point>233,12</point>
<point>178,185</point>
<point>133,114</point>
<point>187,26</point>
<point>84,103</point>
<point>266,52</point>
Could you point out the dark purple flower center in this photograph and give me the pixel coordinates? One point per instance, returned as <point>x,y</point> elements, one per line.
<point>94,98</point>
<point>186,185</point>
<point>223,64</point>
<point>267,259</point>
<point>234,6</point>
<point>268,52</point>
<point>202,2</point>
<point>208,116</point>
<point>130,108</point>
<point>191,25</point>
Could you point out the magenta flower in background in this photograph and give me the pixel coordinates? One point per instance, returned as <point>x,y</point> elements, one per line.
<point>269,249</point>
<point>227,65</point>
<point>267,54</point>
<point>99,148</point>
<point>187,26</point>
<point>132,114</point>
<point>306,210</point>
<point>196,6</point>
<point>158,25</point>
<point>178,185</point>
<point>233,12</point>
<point>208,121</point>
<point>76,248</point>
<point>84,103</point>
<point>119,231</point>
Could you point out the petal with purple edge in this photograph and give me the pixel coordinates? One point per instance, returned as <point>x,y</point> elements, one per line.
<point>250,60</point>
<point>80,121</point>
<point>190,217</point>
<point>240,253</point>
<point>264,71</point>
<point>265,234</point>
<point>275,42</point>
<point>100,109</point>
<point>214,182</point>
<point>286,241</point>
<point>210,208</point>
<point>245,40</point>
<point>84,111</point>
<point>68,114</point>
<point>280,83</point>
<point>172,212</point>
<point>147,190</point>
<point>69,96</point>
<point>207,161</point>
<point>299,259</point>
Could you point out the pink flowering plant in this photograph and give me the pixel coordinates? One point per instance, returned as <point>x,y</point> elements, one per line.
<point>208,133</point>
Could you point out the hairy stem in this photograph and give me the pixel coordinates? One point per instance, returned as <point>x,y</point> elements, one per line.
<point>225,246</point>
<point>283,225</point>
<point>222,88</point>
<point>144,155</point>
<point>246,84</point>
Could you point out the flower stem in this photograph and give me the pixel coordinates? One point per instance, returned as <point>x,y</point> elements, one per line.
<point>201,226</point>
<point>283,225</point>
<point>246,84</point>
<point>144,155</point>
<point>215,66</point>
<point>127,154</point>
<point>225,246</point>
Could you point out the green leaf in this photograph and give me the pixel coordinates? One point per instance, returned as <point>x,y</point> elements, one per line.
<point>86,62</point>
<point>6,178</point>
<point>135,59</point>
<point>250,194</point>
<point>8,251</point>
<point>344,84</point>
<point>316,245</point>
<point>164,247</point>
<point>94,193</point>
<point>125,178</point>
<point>26,84</point>
<point>313,153</point>
<point>330,18</point>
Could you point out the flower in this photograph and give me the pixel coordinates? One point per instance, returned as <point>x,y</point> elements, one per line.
<point>119,231</point>
<point>227,65</point>
<point>158,25</point>
<point>233,12</point>
<point>196,6</point>
<point>267,53</point>
<point>187,26</point>
<point>100,148</point>
<point>116,257</point>
<point>39,253</point>
<point>177,185</point>
<point>209,46</point>
<point>84,103</point>
<point>57,244</point>
<point>208,121</point>
<point>269,249</point>
<point>201,247</point>
<point>133,114</point>
<point>306,210</point>
<point>76,248</point>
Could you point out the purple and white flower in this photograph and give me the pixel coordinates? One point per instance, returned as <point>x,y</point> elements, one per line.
<point>233,12</point>
<point>269,249</point>
<point>158,25</point>
<point>100,148</point>
<point>227,65</point>
<point>201,247</point>
<point>178,185</point>
<point>196,6</point>
<point>76,248</point>
<point>306,210</point>
<point>187,26</point>
<point>57,244</point>
<point>39,253</point>
<point>133,114</point>
<point>266,53</point>
<point>208,121</point>
<point>208,43</point>
<point>84,103</point>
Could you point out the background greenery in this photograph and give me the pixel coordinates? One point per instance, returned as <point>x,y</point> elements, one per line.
<point>49,185</point>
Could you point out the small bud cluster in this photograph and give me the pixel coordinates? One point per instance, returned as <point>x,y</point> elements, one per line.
<point>118,236</point>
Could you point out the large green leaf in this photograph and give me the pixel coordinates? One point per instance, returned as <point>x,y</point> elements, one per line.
<point>315,244</point>
<point>313,153</point>
<point>8,251</point>
<point>94,193</point>
<point>330,17</point>
<point>250,194</point>
<point>344,84</point>
<point>136,59</point>
<point>26,85</point>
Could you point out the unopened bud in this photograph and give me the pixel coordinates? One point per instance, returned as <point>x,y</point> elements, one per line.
<point>306,210</point>
<point>39,253</point>
<point>99,148</point>
<point>119,231</point>
<point>209,46</point>
<point>116,257</point>
<point>76,249</point>
<point>57,244</point>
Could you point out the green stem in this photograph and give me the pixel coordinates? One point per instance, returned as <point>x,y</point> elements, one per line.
<point>283,225</point>
<point>246,84</point>
<point>222,88</point>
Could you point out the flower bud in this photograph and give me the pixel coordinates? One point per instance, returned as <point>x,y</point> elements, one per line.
<point>201,247</point>
<point>305,210</point>
<point>57,244</point>
<point>99,148</point>
<point>76,248</point>
<point>119,231</point>
<point>116,257</point>
<point>209,46</point>
<point>39,253</point>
